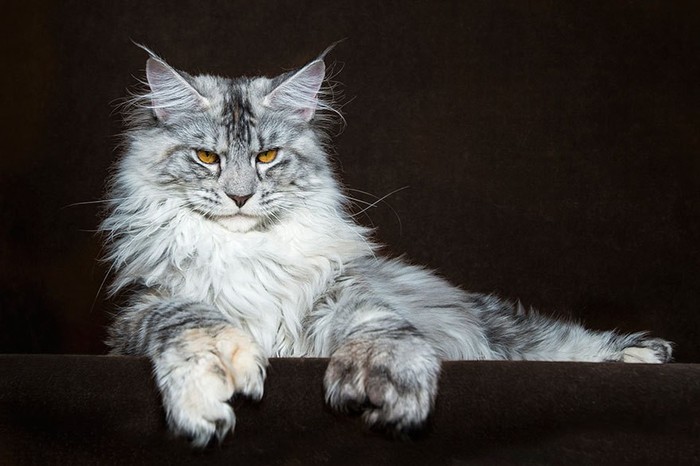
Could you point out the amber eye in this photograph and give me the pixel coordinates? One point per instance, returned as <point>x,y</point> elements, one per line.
<point>267,156</point>
<point>207,157</point>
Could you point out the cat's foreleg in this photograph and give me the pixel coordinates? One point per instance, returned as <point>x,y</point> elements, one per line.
<point>383,367</point>
<point>200,361</point>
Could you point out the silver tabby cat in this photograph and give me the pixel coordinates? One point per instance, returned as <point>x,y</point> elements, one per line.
<point>230,230</point>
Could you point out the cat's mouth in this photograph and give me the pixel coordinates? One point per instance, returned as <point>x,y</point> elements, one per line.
<point>237,214</point>
<point>238,222</point>
<point>228,216</point>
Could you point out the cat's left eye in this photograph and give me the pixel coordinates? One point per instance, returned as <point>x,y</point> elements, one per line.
<point>267,156</point>
<point>207,157</point>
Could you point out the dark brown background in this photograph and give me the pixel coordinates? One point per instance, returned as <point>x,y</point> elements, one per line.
<point>550,149</point>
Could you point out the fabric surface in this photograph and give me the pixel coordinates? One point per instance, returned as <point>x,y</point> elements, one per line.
<point>106,410</point>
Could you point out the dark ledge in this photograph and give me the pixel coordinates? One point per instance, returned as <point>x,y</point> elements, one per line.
<point>106,410</point>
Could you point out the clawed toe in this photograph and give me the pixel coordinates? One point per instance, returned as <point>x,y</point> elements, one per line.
<point>392,390</point>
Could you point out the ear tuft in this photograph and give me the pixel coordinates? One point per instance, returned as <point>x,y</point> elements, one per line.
<point>299,92</point>
<point>171,94</point>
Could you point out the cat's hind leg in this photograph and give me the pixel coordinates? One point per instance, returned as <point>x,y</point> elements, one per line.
<point>648,350</point>
<point>516,334</point>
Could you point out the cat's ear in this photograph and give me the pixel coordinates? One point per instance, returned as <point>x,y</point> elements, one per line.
<point>299,92</point>
<point>171,94</point>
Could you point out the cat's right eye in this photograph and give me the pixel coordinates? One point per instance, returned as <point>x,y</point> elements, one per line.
<point>207,157</point>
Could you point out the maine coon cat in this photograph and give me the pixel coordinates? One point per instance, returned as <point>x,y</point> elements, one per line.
<point>229,229</point>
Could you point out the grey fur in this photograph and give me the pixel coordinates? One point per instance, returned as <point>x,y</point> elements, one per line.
<point>222,286</point>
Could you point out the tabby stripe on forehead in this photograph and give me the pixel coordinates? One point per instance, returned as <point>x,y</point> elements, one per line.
<point>226,115</point>
<point>237,118</point>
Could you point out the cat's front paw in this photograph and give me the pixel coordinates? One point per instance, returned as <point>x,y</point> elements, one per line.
<point>393,382</point>
<point>648,350</point>
<point>199,372</point>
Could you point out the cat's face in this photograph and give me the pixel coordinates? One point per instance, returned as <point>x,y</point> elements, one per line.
<point>241,152</point>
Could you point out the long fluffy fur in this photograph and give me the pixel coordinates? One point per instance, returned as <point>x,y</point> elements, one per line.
<point>220,288</point>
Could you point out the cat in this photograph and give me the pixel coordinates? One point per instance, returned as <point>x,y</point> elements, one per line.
<point>230,231</point>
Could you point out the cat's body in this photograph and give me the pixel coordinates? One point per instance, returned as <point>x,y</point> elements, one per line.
<point>227,218</point>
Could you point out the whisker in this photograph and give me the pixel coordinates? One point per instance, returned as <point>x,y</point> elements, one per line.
<point>102,201</point>
<point>99,290</point>
<point>359,200</point>
<point>381,199</point>
<point>378,200</point>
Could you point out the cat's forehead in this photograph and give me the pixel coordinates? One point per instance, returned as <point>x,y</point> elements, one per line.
<point>234,106</point>
<point>232,95</point>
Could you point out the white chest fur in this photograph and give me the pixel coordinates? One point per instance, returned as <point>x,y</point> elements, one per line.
<point>265,281</point>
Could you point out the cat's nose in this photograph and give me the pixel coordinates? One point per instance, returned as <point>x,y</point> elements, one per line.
<point>240,200</point>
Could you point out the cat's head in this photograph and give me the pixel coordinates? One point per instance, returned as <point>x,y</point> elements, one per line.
<point>244,152</point>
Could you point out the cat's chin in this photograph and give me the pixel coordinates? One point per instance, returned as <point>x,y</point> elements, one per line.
<point>238,223</point>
